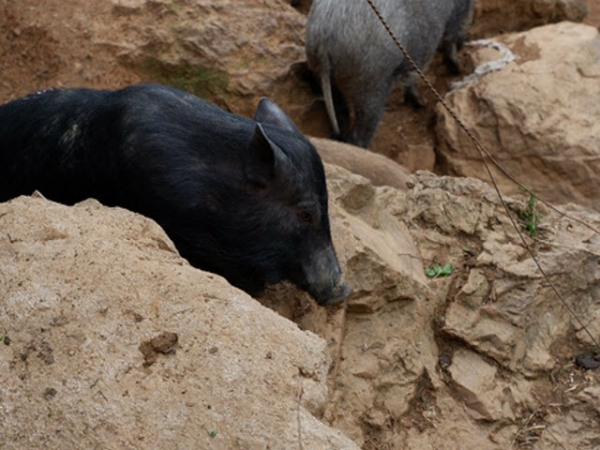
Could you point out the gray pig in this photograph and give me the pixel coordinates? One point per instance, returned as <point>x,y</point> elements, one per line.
<point>356,61</point>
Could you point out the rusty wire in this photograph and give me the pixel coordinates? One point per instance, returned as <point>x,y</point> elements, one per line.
<point>483,152</point>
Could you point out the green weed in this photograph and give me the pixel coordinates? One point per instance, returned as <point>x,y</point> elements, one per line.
<point>531,216</point>
<point>438,271</point>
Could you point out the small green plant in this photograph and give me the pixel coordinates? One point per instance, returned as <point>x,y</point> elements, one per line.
<point>212,433</point>
<point>531,217</point>
<point>438,271</point>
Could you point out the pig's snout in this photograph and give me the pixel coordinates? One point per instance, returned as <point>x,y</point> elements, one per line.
<point>324,278</point>
<point>339,292</point>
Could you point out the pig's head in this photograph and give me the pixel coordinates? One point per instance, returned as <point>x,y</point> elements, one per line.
<point>285,175</point>
<point>256,212</point>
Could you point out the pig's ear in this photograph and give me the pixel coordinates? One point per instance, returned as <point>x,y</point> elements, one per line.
<point>263,159</point>
<point>269,113</point>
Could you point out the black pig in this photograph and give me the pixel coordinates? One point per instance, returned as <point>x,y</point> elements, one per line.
<point>245,199</point>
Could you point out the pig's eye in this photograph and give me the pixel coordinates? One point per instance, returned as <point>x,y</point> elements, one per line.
<point>305,216</point>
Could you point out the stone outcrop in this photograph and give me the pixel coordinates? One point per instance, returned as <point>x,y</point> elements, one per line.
<point>111,340</point>
<point>108,336</point>
<point>229,52</point>
<point>537,117</point>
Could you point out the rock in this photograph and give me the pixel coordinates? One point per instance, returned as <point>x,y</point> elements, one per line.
<point>231,53</point>
<point>536,117</point>
<point>574,429</point>
<point>378,169</point>
<point>228,52</point>
<point>82,288</point>
<point>494,17</point>
<point>104,325</point>
<point>500,307</point>
<point>476,382</point>
<point>591,395</point>
<point>492,303</point>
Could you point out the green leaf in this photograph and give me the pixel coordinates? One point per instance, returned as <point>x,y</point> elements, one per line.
<point>438,271</point>
<point>447,270</point>
<point>433,271</point>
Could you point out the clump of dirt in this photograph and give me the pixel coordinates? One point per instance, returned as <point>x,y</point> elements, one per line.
<point>164,344</point>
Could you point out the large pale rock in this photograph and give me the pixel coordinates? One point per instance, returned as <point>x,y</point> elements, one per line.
<point>538,117</point>
<point>87,294</point>
<point>90,295</point>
